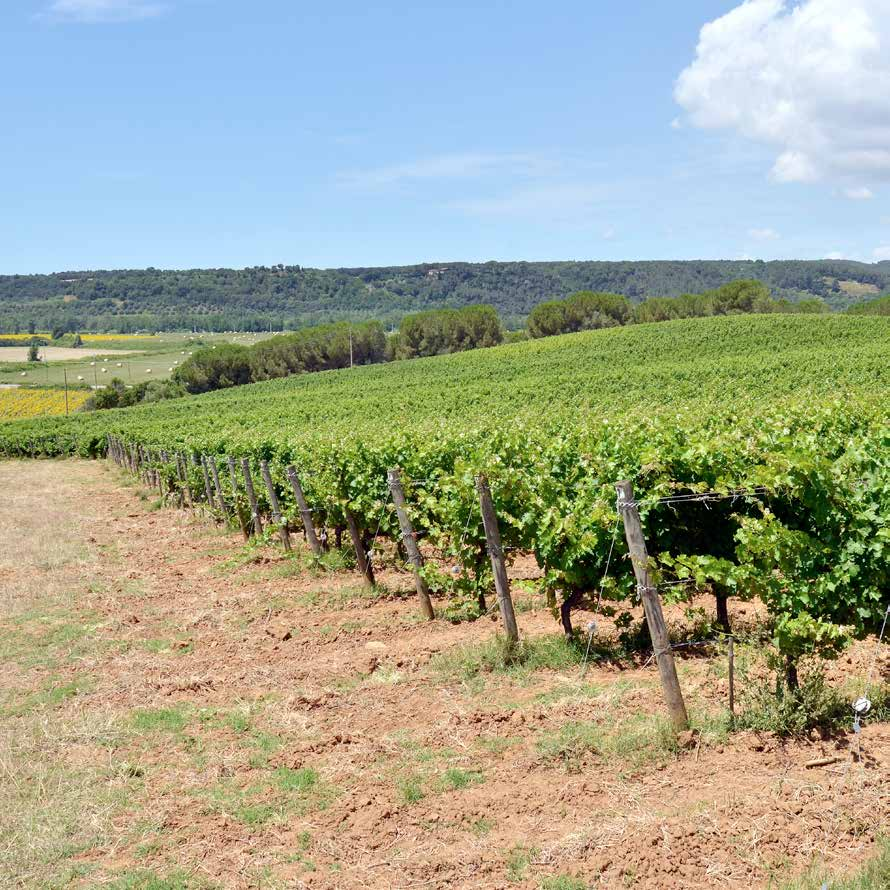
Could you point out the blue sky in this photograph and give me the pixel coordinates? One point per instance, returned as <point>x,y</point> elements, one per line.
<point>190,133</point>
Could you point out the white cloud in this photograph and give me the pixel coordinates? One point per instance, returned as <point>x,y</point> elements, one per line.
<point>608,233</point>
<point>859,194</point>
<point>95,11</point>
<point>834,255</point>
<point>676,124</point>
<point>812,80</point>
<point>453,166</point>
<point>763,234</point>
<point>881,253</point>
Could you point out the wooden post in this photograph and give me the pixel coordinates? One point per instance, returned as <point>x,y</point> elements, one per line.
<point>214,472</point>
<point>731,682</point>
<point>277,518</point>
<point>251,497</point>
<point>162,487</point>
<point>305,512</point>
<point>208,491</point>
<point>245,530</point>
<point>410,540</point>
<point>363,564</point>
<point>183,473</point>
<point>661,643</point>
<point>496,553</point>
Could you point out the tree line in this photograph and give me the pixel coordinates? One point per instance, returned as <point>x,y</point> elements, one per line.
<point>341,345</point>
<point>586,310</point>
<point>291,297</point>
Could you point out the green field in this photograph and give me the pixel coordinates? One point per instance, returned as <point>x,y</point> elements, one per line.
<point>132,359</point>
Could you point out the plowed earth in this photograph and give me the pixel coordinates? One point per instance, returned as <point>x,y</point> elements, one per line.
<point>179,707</point>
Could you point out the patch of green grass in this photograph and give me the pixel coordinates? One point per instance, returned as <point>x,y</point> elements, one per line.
<point>454,778</point>
<point>519,858</point>
<point>874,875</point>
<point>172,720</point>
<point>254,815</point>
<point>564,882</point>
<point>633,742</point>
<point>264,745</point>
<point>52,695</point>
<point>298,780</point>
<point>340,597</point>
<point>47,638</point>
<point>291,567</point>
<point>411,790</point>
<point>282,792</point>
<point>571,742</point>
<point>548,652</point>
<point>147,879</point>
<point>238,721</point>
<point>482,826</point>
<point>565,691</point>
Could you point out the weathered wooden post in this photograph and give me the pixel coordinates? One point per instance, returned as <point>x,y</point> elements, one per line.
<point>208,491</point>
<point>661,643</point>
<point>163,484</point>
<point>183,473</point>
<point>277,518</point>
<point>251,497</point>
<point>363,564</point>
<point>235,505</point>
<point>305,512</point>
<point>214,472</point>
<point>409,539</point>
<point>496,553</point>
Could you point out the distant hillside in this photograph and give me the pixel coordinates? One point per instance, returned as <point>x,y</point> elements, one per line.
<point>292,296</point>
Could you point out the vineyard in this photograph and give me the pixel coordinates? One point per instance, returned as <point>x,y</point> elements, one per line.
<point>254,625</point>
<point>789,414</point>
<point>18,403</point>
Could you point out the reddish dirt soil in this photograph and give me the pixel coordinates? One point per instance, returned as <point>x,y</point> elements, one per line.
<point>344,685</point>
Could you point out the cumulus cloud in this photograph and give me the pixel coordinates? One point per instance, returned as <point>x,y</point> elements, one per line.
<point>94,11</point>
<point>811,80</point>
<point>881,253</point>
<point>763,234</point>
<point>834,255</point>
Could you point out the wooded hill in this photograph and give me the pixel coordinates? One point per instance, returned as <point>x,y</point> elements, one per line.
<point>286,297</point>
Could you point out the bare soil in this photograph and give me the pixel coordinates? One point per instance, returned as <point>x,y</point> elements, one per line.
<point>176,705</point>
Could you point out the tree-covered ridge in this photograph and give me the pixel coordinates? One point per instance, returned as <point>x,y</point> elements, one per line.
<point>285,297</point>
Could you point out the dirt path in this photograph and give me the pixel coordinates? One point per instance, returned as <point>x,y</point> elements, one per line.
<point>178,707</point>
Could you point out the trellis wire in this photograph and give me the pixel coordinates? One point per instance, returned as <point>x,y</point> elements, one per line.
<point>591,627</point>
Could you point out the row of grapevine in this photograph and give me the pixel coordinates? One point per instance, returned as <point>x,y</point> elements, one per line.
<point>794,408</point>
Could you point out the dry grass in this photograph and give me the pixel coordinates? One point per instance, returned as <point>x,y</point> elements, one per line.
<point>59,792</point>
